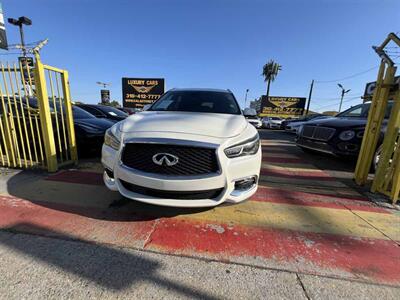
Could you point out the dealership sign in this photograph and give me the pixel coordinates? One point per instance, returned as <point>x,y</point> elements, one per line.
<point>370,87</point>
<point>282,106</point>
<point>137,92</point>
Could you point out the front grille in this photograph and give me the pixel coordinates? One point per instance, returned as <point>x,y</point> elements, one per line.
<point>317,132</point>
<point>192,160</point>
<point>186,195</point>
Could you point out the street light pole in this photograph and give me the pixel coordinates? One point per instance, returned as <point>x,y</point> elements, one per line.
<point>344,91</point>
<point>20,22</point>
<point>245,98</point>
<point>21,33</point>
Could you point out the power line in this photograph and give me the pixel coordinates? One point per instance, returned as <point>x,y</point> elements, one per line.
<point>12,53</point>
<point>347,100</point>
<point>338,98</point>
<point>348,77</point>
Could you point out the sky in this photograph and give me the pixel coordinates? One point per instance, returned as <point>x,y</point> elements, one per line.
<point>211,43</point>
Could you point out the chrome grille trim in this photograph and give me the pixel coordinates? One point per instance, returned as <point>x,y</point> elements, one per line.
<point>318,133</point>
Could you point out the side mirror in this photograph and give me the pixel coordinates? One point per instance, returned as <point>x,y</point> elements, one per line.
<point>146,107</point>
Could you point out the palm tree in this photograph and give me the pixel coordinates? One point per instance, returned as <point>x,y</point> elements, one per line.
<point>270,71</point>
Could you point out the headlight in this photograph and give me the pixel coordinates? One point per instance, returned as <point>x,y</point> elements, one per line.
<point>112,137</point>
<point>248,147</point>
<point>347,135</point>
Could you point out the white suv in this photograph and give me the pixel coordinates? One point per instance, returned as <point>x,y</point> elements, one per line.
<point>191,148</point>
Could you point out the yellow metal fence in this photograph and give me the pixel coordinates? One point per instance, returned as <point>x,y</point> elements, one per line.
<point>36,121</point>
<point>387,174</point>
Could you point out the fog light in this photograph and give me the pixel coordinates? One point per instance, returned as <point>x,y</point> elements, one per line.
<point>245,184</point>
<point>109,173</point>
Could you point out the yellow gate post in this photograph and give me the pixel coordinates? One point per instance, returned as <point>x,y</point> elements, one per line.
<point>387,176</point>
<point>69,118</point>
<point>45,115</point>
<point>375,118</point>
<point>388,146</point>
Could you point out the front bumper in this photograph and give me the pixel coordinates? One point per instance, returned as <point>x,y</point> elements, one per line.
<point>334,148</point>
<point>291,129</point>
<point>232,171</point>
<point>256,124</point>
<point>275,125</point>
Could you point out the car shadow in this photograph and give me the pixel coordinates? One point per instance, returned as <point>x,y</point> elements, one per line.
<point>92,201</point>
<point>111,268</point>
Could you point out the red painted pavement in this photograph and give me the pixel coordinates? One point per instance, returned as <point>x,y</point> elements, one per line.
<point>274,195</point>
<point>91,224</point>
<point>358,258</point>
<point>370,259</point>
<point>310,175</point>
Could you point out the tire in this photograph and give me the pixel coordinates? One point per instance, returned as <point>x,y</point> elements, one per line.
<point>375,161</point>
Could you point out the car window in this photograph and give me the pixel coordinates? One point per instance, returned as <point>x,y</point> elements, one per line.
<point>112,111</point>
<point>197,101</point>
<point>79,113</point>
<point>92,111</point>
<point>358,111</point>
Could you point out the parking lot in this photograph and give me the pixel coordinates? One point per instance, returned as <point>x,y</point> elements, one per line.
<point>307,232</point>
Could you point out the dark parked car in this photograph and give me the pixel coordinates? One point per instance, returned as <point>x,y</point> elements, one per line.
<point>341,135</point>
<point>89,131</point>
<point>128,110</point>
<point>104,112</point>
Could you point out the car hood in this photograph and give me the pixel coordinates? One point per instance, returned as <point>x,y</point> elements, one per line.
<point>339,122</point>
<point>206,124</point>
<point>100,124</point>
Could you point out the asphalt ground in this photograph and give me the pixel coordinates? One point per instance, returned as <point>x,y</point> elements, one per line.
<point>308,232</point>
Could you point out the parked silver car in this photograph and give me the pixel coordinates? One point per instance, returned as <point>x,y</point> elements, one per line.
<point>272,122</point>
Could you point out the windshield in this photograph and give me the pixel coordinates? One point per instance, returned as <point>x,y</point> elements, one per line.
<point>275,118</point>
<point>358,111</point>
<point>112,111</point>
<point>198,101</point>
<point>79,113</point>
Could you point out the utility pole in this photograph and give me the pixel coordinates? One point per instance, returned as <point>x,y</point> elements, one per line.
<point>20,22</point>
<point>309,97</point>
<point>344,91</point>
<point>245,98</point>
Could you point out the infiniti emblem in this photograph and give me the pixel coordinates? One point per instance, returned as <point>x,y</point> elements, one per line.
<point>165,159</point>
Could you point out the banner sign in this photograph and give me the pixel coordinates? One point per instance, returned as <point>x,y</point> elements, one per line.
<point>370,87</point>
<point>282,106</point>
<point>138,92</point>
<point>3,36</point>
<point>105,96</point>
